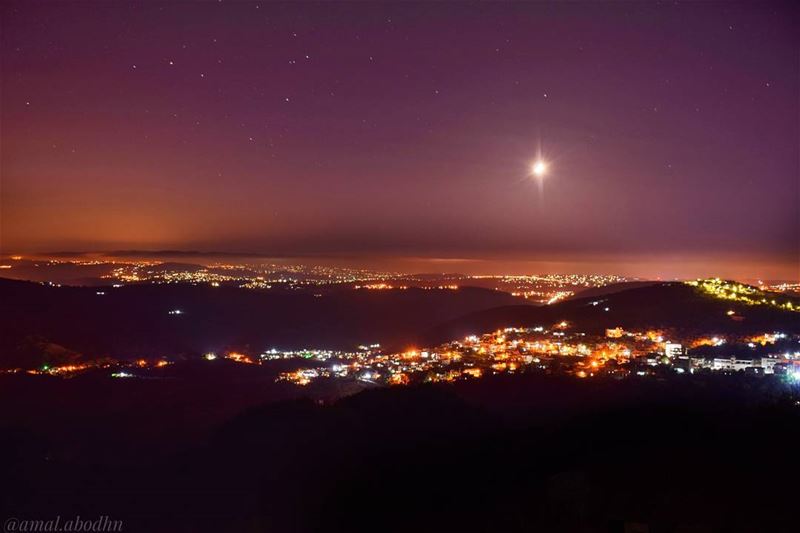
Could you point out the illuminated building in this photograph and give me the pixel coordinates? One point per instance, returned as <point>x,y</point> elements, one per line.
<point>672,349</point>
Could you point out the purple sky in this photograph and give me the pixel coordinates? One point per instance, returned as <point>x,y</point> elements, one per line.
<point>383,132</point>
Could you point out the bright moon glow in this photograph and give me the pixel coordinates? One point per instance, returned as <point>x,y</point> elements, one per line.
<point>539,168</point>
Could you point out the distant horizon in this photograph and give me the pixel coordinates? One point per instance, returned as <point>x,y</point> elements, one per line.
<point>655,270</point>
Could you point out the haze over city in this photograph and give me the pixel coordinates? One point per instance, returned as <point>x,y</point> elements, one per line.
<point>403,136</point>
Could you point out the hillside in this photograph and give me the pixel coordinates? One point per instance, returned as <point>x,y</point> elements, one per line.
<point>135,321</point>
<point>661,305</point>
<point>594,292</point>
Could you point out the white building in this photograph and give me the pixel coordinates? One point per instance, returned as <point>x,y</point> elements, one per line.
<point>673,349</point>
<point>730,363</point>
<point>733,363</point>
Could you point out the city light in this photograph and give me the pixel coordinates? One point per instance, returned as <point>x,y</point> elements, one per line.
<point>744,294</point>
<point>239,358</point>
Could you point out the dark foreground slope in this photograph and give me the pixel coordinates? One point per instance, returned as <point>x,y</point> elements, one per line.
<point>665,305</point>
<point>135,321</point>
<point>511,453</point>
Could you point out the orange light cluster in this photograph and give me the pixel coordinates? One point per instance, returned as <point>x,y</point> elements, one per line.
<point>239,358</point>
<point>707,341</point>
<point>410,355</point>
<point>297,378</point>
<point>654,335</point>
<point>380,287</point>
<point>763,340</point>
<point>399,379</point>
<point>67,369</point>
<point>474,372</point>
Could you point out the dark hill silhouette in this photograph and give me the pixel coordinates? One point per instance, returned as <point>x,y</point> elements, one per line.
<point>39,321</point>
<point>605,290</point>
<point>506,453</point>
<point>662,305</point>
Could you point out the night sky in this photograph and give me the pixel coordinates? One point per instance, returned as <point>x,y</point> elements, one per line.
<point>402,135</point>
